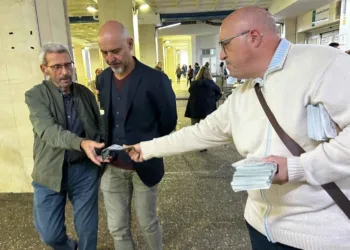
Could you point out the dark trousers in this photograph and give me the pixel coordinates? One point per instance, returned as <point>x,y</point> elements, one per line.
<point>81,184</point>
<point>260,242</point>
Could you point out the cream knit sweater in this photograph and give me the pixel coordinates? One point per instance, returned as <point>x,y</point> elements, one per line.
<point>299,213</point>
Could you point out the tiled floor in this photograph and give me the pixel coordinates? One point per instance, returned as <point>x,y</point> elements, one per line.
<point>197,207</point>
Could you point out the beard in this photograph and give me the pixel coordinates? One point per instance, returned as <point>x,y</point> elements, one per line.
<point>119,70</point>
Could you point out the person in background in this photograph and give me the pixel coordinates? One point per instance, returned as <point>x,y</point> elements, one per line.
<point>178,73</point>
<point>66,126</point>
<point>222,70</point>
<point>295,212</point>
<point>189,75</point>
<point>196,69</point>
<point>139,103</point>
<point>92,84</point>
<point>207,64</point>
<point>204,94</point>
<point>184,70</point>
<point>334,45</point>
<point>159,66</point>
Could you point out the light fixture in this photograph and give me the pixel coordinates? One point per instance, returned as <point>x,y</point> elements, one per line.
<point>167,41</point>
<point>144,6</point>
<point>169,26</point>
<point>91,9</point>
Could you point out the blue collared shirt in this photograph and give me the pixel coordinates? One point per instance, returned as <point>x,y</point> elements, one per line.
<point>74,125</point>
<point>277,60</point>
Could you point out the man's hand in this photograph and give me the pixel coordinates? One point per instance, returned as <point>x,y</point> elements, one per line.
<point>281,176</point>
<point>134,152</point>
<point>89,148</point>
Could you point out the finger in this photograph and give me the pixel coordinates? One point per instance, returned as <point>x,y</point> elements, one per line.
<point>94,160</point>
<point>99,145</point>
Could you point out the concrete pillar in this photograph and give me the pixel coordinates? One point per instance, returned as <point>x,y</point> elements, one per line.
<point>148,45</point>
<point>194,49</point>
<point>95,60</point>
<point>170,61</point>
<point>122,11</point>
<point>40,21</point>
<point>344,28</point>
<point>161,56</point>
<point>79,65</point>
<point>290,27</point>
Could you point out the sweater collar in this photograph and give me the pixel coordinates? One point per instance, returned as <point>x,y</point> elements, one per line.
<point>277,60</point>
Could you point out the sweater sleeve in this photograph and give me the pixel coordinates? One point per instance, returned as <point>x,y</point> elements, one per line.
<point>330,161</point>
<point>213,131</point>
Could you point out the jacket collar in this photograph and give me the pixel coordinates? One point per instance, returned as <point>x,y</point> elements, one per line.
<point>277,61</point>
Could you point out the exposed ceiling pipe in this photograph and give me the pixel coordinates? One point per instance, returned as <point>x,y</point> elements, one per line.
<point>216,4</point>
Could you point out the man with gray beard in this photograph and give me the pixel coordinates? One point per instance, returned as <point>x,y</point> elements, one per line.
<point>139,104</point>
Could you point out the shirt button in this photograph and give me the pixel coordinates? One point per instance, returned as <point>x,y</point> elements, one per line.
<point>118,98</point>
<point>117,112</point>
<point>117,126</point>
<point>68,116</point>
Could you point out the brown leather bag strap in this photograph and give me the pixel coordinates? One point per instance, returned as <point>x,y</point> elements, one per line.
<point>331,188</point>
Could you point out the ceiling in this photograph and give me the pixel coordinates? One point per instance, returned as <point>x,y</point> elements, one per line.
<point>183,6</point>
<point>86,33</point>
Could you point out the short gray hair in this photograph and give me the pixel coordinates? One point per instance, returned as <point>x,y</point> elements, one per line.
<point>52,48</point>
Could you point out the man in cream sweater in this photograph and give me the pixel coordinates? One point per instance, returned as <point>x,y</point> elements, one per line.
<point>295,212</point>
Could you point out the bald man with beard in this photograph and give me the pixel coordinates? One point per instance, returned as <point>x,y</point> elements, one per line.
<point>139,104</point>
<point>295,212</point>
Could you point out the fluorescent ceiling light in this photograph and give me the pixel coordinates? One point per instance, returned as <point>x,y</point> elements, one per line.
<point>169,26</point>
<point>144,6</point>
<point>91,9</point>
<point>167,41</point>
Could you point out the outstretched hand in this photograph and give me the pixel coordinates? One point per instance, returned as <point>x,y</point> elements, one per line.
<point>134,152</point>
<point>89,147</point>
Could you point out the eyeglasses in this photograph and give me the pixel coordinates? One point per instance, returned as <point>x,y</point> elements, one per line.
<point>226,41</point>
<point>59,67</point>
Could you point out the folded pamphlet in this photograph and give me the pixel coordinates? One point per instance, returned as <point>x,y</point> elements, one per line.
<point>253,173</point>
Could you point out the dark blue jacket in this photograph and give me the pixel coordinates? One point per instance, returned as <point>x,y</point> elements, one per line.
<point>151,113</point>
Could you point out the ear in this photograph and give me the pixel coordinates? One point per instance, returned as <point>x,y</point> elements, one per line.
<point>130,43</point>
<point>256,37</point>
<point>43,69</point>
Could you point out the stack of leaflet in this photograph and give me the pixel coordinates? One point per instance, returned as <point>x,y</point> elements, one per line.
<point>319,124</point>
<point>253,174</point>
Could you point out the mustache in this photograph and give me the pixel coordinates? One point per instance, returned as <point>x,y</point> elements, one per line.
<point>66,77</point>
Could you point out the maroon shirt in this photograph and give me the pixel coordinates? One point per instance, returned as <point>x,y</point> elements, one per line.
<point>119,84</point>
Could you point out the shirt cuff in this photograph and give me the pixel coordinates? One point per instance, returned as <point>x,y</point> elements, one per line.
<point>296,171</point>
<point>148,150</point>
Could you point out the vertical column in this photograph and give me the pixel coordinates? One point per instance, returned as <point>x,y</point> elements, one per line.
<point>160,50</point>
<point>33,23</point>
<point>170,63</point>
<point>148,45</point>
<point>79,64</point>
<point>290,26</point>
<point>344,28</point>
<point>194,49</point>
<point>122,11</point>
<point>94,60</point>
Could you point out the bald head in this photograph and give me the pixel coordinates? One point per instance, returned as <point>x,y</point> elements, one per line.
<point>113,28</point>
<point>249,39</point>
<point>116,46</point>
<point>251,17</point>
